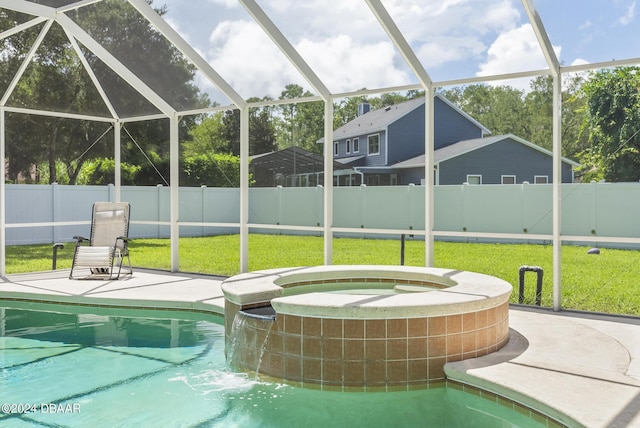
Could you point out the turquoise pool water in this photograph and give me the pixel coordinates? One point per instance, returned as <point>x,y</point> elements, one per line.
<point>374,288</point>
<point>153,369</point>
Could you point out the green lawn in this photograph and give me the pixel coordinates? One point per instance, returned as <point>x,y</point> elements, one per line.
<point>602,283</point>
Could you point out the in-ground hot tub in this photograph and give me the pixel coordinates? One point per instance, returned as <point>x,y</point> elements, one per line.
<point>340,333</point>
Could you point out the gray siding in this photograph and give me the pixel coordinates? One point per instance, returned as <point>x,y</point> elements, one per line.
<point>507,157</point>
<point>407,135</point>
<point>410,176</point>
<point>374,160</point>
<point>451,126</point>
<point>381,158</point>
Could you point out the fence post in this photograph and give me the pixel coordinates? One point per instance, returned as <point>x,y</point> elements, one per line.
<point>54,210</point>
<point>203,188</point>
<point>159,207</point>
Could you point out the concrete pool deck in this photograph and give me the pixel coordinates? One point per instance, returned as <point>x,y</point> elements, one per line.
<point>584,366</point>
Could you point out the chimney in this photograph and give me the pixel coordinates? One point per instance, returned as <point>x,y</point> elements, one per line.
<point>363,108</point>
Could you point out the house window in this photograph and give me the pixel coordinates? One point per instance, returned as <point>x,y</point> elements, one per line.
<point>348,146</point>
<point>356,145</point>
<point>474,179</point>
<point>541,179</point>
<point>374,144</point>
<point>394,179</point>
<point>373,180</point>
<point>335,148</point>
<point>508,179</point>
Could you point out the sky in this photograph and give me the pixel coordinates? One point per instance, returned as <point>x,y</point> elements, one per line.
<point>348,50</point>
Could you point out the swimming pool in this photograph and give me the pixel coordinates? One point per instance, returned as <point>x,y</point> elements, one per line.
<point>75,366</point>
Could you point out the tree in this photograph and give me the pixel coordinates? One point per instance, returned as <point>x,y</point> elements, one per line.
<point>207,136</point>
<point>500,108</point>
<point>262,135</point>
<point>102,171</point>
<point>539,108</point>
<point>613,123</point>
<point>56,80</point>
<point>347,110</point>
<point>302,123</point>
<point>262,131</point>
<point>211,169</point>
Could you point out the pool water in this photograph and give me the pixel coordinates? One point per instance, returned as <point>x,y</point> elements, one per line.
<point>153,369</point>
<point>377,288</point>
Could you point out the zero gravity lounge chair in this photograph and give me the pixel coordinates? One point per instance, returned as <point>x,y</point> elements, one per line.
<point>104,252</point>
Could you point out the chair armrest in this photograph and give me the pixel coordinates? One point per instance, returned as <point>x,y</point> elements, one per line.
<point>80,238</point>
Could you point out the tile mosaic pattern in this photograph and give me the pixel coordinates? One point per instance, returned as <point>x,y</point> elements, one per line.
<point>366,354</point>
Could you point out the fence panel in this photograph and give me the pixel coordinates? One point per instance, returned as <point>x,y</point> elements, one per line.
<point>601,209</point>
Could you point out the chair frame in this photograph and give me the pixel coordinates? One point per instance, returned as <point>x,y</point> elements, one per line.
<point>116,252</point>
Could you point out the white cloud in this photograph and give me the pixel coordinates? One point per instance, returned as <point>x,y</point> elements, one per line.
<point>452,32</point>
<point>514,51</point>
<point>585,25</point>
<point>248,60</point>
<point>449,49</point>
<point>226,3</point>
<point>347,65</point>
<point>630,14</point>
<point>579,61</point>
<point>253,65</point>
<point>345,45</point>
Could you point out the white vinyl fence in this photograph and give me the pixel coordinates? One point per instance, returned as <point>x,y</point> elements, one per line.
<point>590,211</point>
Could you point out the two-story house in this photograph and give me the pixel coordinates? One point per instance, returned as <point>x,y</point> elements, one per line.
<point>386,147</point>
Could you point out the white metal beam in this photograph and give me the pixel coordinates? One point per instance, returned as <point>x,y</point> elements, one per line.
<point>167,31</point>
<point>429,188</point>
<point>29,8</point>
<point>25,63</point>
<point>398,39</point>
<point>423,77</point>
<point>174,190</point>
<point>328,182</point>
<point>119,68</point>
<point>24,26</point>
<point>61,114</point>
<point>286,47</point>
<point>557,192</point>
<point>542,36</point>
<point>3,200</point>
<point>92,75</point>
<point>244,189</point>
<point>554,66</point>
<point>76,5</point>
<point>117,160</point>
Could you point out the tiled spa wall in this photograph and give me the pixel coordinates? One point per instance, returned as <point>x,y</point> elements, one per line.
<point>375,354</point>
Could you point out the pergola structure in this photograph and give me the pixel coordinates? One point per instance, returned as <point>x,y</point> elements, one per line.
<point>45,13</point>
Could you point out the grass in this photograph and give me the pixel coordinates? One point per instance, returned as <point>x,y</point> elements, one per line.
<point>607,282</point>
